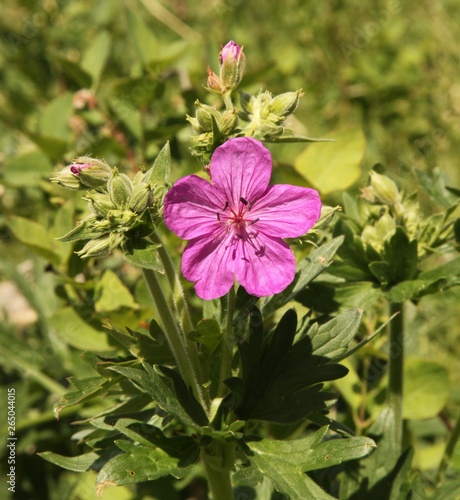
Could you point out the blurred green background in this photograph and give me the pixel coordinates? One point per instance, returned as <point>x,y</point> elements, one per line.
<point>115,79</point>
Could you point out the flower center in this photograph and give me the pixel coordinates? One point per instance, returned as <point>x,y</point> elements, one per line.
<point>237,217</point>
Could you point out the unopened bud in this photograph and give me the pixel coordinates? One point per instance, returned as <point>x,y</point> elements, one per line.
<point>228,121</point>
<point>214,82</point>
<point>285,104</point>
<point>385,190</point>
<point>120,188</point>
<point>204,114</point>
<point>232,63</point>
<point>96,248</point>
<point>92,173</point>
<point>141,198</point>
<point>99,203</point>
<point>66,178</point>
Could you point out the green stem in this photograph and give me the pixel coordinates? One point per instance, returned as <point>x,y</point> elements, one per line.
<point>396,371</point>
<point>176,287</point>
<point>180,304</point>
<point>227,345</point>
<point>174,335</point>
<point>454,437</point>
<point>219,480</point>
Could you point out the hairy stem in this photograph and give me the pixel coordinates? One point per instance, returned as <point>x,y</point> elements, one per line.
<point>175,336</point>
<point>227,345</point>
<point>180,304</point>
<point>396,371</point>
<point>217,466</point>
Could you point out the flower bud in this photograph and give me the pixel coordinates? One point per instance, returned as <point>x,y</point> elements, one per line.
<point>285,104</point>
<point>232,63</point>
<point>385,190</point>
<point>215,84</point>
<point>228,121</point>
<point>101,247</point>
<point>141,198</point>
<point>99,203</point>
<point>120,188</point>
<point>204,114</point>
<point>66,178</point>
<point>91,172</point>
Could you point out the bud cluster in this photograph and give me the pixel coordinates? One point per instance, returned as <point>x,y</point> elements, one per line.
<point>121,208</point>
<point>264,113</point>
<point>388,209</point>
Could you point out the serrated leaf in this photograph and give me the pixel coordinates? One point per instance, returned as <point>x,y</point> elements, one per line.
<point>80,463</point>
<point>262,395</point>
<point>160,389</point>
<point>334,166</point>
<point>185,396</point>
<point>137,465</point>
<point>332,338</point>
<point>143,254</point>
<point>285,462</point>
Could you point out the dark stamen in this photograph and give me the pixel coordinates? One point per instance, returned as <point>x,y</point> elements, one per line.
<point>218,216</point>
<point>239,236</point>
<point>250,205</point>
<point>226,206</point>
<point>243,201</point>
<point>254,221</point>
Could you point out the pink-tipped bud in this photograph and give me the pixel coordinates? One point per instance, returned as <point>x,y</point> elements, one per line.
<point>231,50</point>
<point>232,63</point>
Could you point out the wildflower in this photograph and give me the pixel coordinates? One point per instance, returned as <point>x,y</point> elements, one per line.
<point>236,223</point>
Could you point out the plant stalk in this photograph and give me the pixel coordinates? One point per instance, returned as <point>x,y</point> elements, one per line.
<point>227,344</point>
<point>454,437</point>
<point>396,371</point>
<point>175,336</point>
<point>219,480</point>
<point>180,304</point>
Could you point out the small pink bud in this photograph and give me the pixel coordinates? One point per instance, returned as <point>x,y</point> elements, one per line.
<point>232,63</point>
<point>232,50</point>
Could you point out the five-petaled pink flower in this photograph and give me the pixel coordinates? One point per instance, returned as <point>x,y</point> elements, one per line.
<point>236,223</point>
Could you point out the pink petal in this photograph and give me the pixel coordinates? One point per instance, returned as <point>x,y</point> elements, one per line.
<point>191,206</point>
<point>241,168</point>
<point>264,265</point>
<point>286,211</point>
<point>209,263</point>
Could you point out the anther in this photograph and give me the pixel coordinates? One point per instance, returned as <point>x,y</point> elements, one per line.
<point>243,201</point>
<point>254,221</point>
<point>226,206</point>
<point>218,216</point>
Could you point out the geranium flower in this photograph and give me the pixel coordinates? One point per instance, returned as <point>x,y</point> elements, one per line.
<point>236,223</point>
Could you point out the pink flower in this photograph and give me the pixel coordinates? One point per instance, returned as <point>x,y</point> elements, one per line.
<point>236,223</point>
